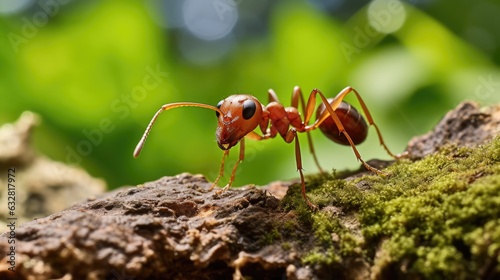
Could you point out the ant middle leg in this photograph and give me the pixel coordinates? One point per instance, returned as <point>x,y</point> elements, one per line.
<point>298,97</point>
<point>290,136</point>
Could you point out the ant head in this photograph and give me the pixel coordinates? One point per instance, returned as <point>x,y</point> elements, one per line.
<point>241,114</point>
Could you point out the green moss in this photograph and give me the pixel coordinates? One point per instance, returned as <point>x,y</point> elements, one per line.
<point>271,237</point>
<point>339,193</point>
<point>328,257</point>
<point>286,246</point>
<point>434,218</point>
<point>324,226</point>
<point>333,240</point>
<point>289,229</point>
<point>438,203</point>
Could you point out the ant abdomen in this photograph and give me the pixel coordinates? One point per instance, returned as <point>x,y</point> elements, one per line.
<point>353,122</point>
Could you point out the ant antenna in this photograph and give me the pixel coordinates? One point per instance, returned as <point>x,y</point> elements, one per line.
<point>166,107</point>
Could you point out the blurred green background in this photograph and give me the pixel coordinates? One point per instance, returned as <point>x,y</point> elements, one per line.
<point>97,71</point>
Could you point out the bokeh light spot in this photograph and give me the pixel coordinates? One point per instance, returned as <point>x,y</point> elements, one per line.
<point>386,16</point>
<point>210,20</point>
<point>12,7</point>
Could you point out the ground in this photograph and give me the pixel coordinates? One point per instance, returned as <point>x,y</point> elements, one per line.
<point>435,214</point>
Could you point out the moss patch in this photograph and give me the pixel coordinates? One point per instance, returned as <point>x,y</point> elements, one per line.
<point>434,218</point>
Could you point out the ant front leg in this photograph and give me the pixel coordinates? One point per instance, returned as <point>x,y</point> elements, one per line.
<point>221,170</point>
<point>240,159</point>
<point>233,172</point>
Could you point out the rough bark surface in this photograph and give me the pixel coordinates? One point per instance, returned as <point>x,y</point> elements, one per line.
<point>173,228</point>
<point>176,228</point>
<point>467,125</point>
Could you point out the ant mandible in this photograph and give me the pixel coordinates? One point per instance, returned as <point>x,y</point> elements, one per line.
<point>238,115</point>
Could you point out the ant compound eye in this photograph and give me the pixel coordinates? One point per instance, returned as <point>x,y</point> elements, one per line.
<point>218,107</point>
<point>248,109</point>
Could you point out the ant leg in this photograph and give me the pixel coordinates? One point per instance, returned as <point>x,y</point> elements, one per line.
<point>349,89</point>
<point>255,136</point>
<point>240,159</point>
<point>311,149</point>
<point>272,96</point>
<point>221,170</point>
<point>330,111</point>
<point>297,93</point>
<point>290,136</point>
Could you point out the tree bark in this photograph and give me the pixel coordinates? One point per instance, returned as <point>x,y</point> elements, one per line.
<point>436,214</point>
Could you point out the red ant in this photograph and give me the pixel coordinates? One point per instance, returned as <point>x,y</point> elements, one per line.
<point>238,115</point>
